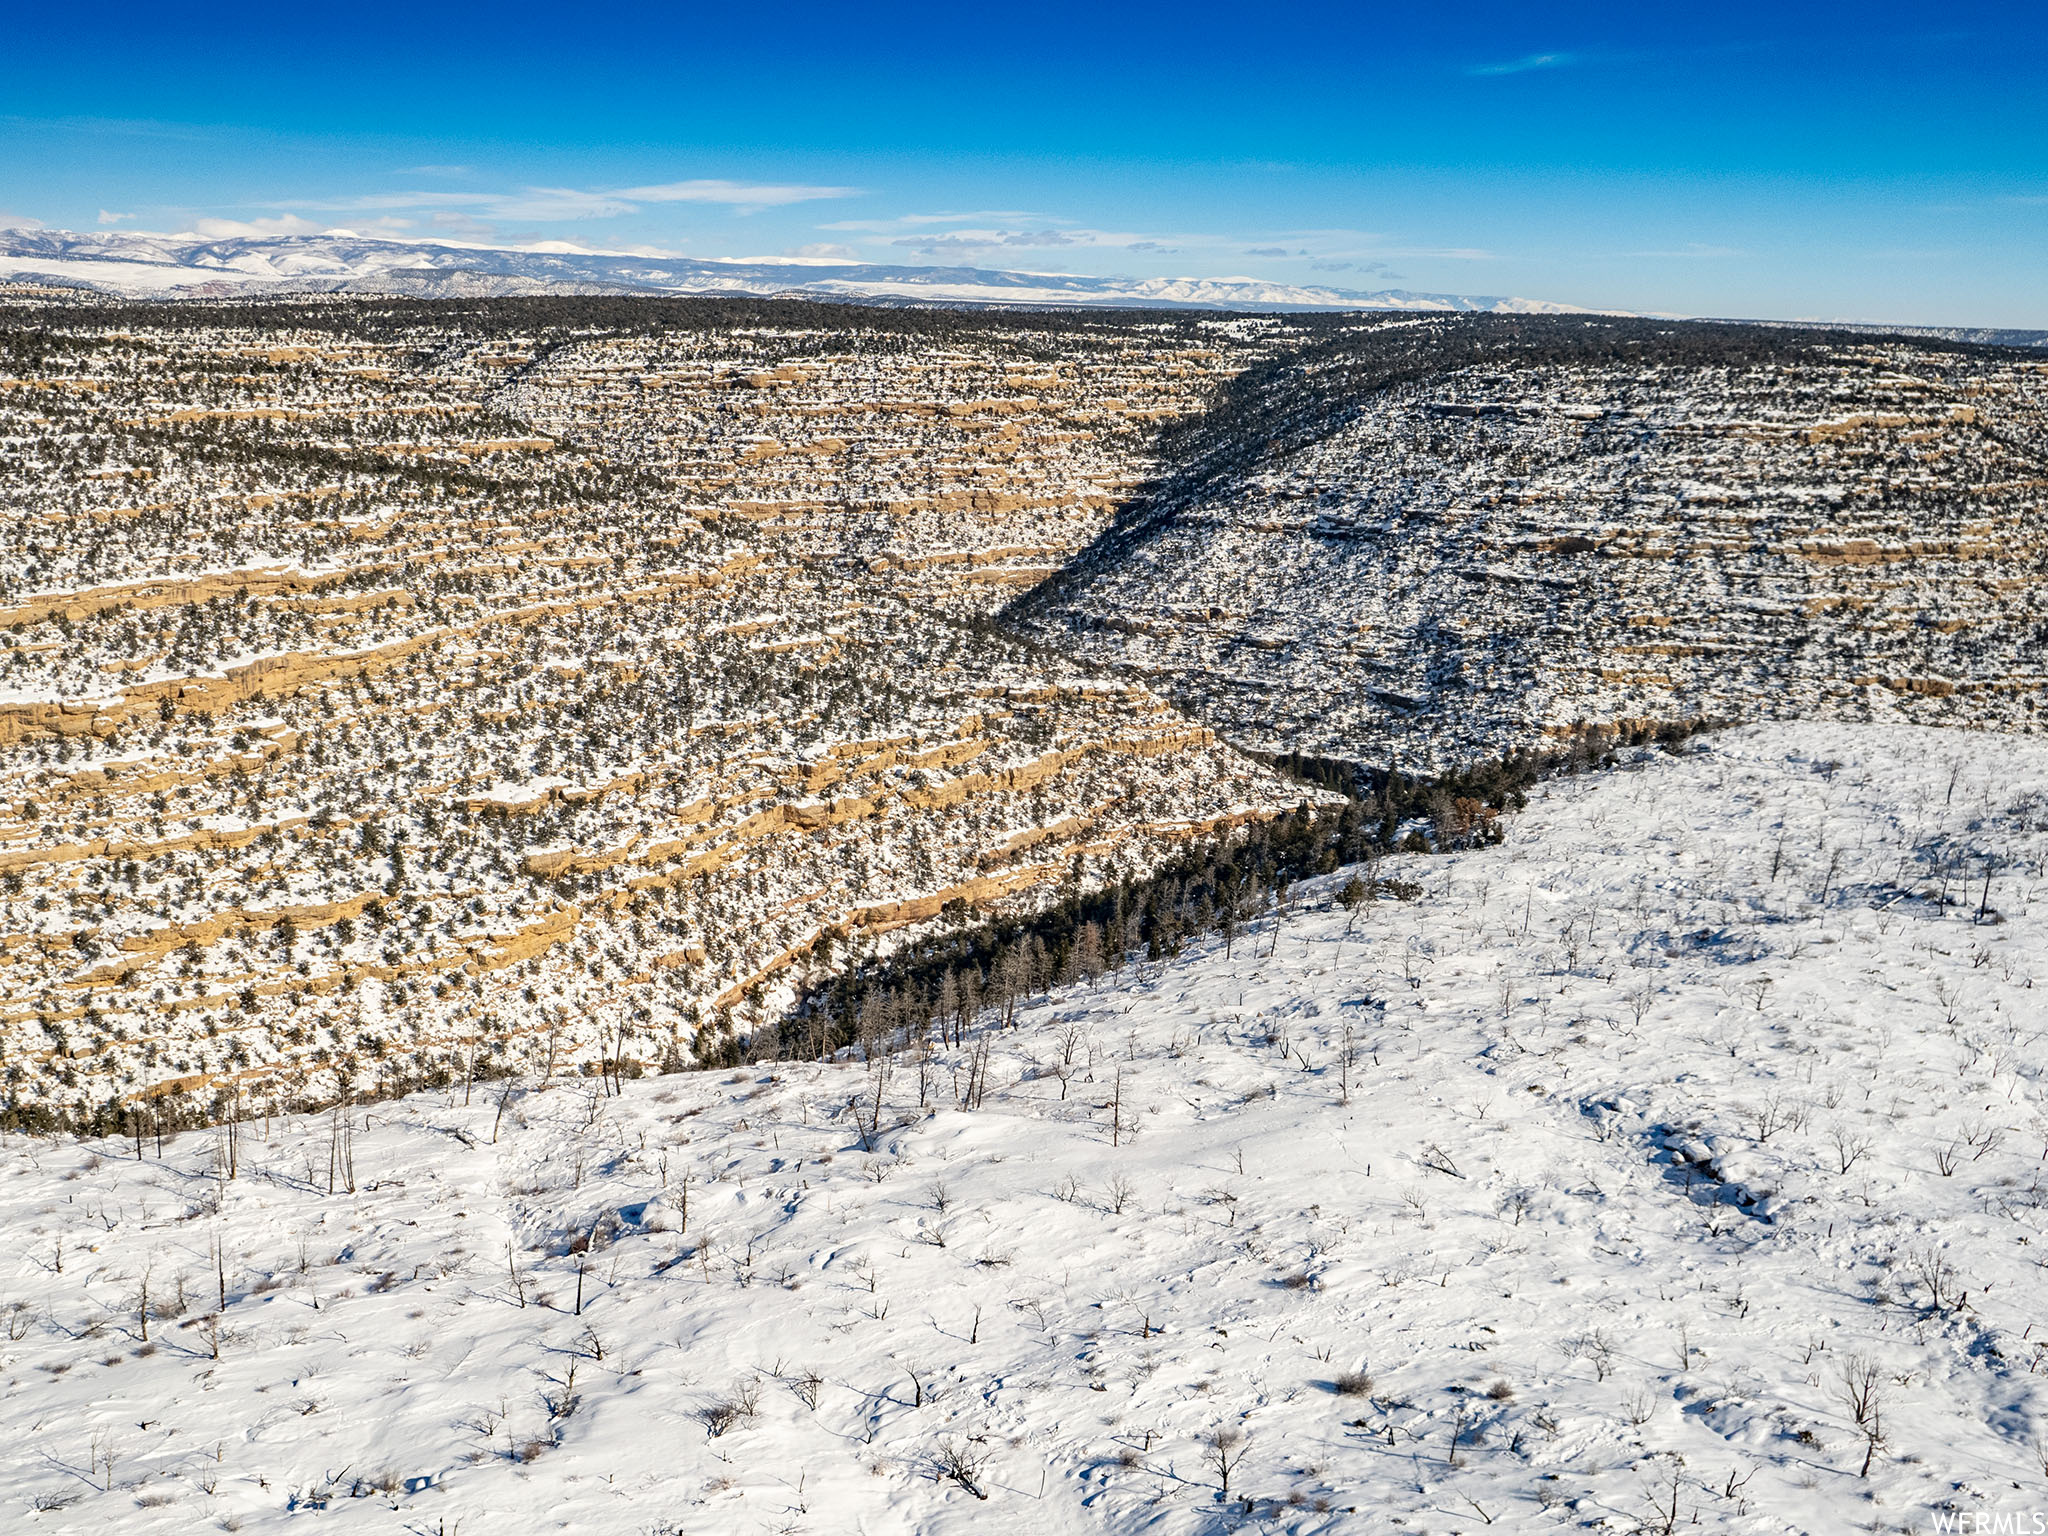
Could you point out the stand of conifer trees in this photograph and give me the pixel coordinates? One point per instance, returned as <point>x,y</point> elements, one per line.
<point>944,984</point>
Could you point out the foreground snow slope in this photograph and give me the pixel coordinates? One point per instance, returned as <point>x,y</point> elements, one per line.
<point>1665,1120</point>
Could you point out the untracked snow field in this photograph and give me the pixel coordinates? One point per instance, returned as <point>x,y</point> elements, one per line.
<point>1678,1164</point>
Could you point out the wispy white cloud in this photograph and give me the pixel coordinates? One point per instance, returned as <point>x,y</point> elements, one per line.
<point>1439,253</point>
<point>744,195</point>
<point>236,229</point>
<point>552,205</point>
<point>1324,257</point>
<point>374,201</point>
<point>910,221</point>
<point>1692,251</point>
<point>537,204</point>
<point>975,236</point>
<point>108,218</point>
<point>1525,64</point>
<point>392,227</point>
<point>1363,268</point>
<point>457,225</point>
<point>981,242</point>
<point>556,205</point>
<point>992,240</point>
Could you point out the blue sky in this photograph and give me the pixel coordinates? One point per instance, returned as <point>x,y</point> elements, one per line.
<point>1835,161</point>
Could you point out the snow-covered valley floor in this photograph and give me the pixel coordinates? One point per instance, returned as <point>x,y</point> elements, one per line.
<point>1611,1183</point>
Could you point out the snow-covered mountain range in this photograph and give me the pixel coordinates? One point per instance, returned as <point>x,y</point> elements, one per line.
<point>339,261</point>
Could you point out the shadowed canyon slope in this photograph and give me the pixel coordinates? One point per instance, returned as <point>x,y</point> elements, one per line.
<point>1431,542</point>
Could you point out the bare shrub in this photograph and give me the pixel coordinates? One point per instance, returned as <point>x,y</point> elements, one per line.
<point>1850,1148</point>
<point>1596,1347</point>
<point>743,1403</point>
<point>1930,1266</point>
<point>962,1461</point>
<point>806,1388</point>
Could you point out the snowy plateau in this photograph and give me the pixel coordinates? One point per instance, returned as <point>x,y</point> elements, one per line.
<point>1674,1165</point>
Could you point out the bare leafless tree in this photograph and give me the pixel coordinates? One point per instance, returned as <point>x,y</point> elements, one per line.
<point>1860,1389</point>
<point>1222,1449</point>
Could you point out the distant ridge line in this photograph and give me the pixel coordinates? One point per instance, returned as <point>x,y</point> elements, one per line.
<point>1989,336</point>
<point>141,265</point>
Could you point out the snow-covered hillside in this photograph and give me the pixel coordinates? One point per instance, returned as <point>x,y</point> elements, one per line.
<point>317,538</point>
<point>1658,1169</point>
<point>340,261</point>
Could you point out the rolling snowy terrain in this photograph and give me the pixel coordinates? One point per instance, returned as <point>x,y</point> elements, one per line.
<point>1676,1164</point>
